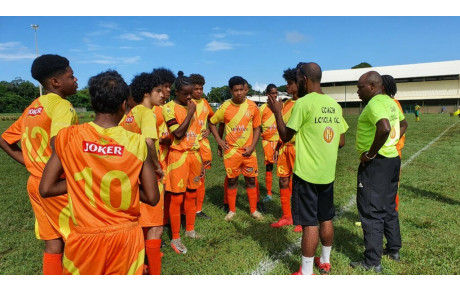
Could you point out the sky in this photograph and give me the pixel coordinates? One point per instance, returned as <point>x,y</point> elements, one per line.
<point>258,48</point>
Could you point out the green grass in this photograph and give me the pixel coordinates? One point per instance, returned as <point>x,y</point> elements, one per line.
<point>429,203</point>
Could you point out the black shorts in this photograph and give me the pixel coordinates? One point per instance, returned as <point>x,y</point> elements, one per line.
<point>311,203</point>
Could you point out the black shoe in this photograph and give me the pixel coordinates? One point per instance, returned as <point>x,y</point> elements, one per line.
<point>261,207</point>
<point>394,255</point>
<point>163,244</point>
<point>377,269</point>
<point>203,215</point>
<point>226,208</point>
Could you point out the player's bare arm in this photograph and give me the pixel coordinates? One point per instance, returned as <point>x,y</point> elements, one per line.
<point>150,193</point>
<point>285,133</point>
<point>221,143</point>
<point>13,150</point>
<point>402,127</point>
<point>256,135</point>
<point>51,184</point>
<point>342,140</point>
<point>179,133</point>
<point>156,163</point>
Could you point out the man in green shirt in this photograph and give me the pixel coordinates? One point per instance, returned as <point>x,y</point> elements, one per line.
<point>380,126</point>
<point>319,127</point>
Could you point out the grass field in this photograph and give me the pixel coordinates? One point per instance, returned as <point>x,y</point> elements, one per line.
<point>429,215</point>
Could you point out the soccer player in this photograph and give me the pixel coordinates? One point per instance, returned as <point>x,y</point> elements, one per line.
<point>242,130</point>
<point>147,91</point>
<point>204,112</point>
<point>285,153</point>
<point>184,168</point>
<point>417,112</point>
<point>37,129</point>
<point>167,78</point>
<point>317,122</point>
<point>270,139</point>
<point>380,126</point>
<point>103,164</point>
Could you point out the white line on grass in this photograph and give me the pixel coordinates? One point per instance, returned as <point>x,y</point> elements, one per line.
<point>268,264</point>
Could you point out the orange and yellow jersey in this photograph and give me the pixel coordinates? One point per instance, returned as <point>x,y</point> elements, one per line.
<point>163,132</point>
<point>401,141</point>
<point>269,129</point>
<point>240,120</point>
<point>141,120</point>
<point>39,122</point>
<point>102,166</point>
<point>174,115</point>
<point>286,112</point>
<point>203,112</point>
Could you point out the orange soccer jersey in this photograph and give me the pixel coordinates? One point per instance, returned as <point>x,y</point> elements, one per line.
<point>102,168</point>
<point>142,120</point>
<point>286,154</point>
<point>269,133</point>
<point>240,120</point>
<point>41,121</point>
<point>184,161</point>
<point>203,113</point>
<point>163,133</point>
<point>401,141</point>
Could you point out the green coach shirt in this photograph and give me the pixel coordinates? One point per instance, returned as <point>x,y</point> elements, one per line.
<point>318,122</point>
<point>379,107</point>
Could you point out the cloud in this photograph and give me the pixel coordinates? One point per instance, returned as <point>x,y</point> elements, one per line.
<point>17,56</point>
<point>218,46</point>
<point>109,60</point>
<point>294,37</point>
<point>218,35</point>
<point>110,25</point>
<point>13,51</point>
<point>259,87</point>
<point>160,37</point>
<point>130,36</point>
<point>230,32</point>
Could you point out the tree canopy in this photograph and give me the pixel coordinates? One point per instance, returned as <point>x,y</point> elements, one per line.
<point>362,65</point>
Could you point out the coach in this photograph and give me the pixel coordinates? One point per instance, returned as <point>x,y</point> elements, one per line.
<point>380,126</point>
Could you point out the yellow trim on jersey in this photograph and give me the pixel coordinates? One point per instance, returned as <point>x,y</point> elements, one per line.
<point>146,121</point>
<point>70,266</point>
<point>238,116</point>
<point>179,163</point>
<point>37,232</point>
<point>137,263</point>
<point>230,153</point>
<point>64,226</point>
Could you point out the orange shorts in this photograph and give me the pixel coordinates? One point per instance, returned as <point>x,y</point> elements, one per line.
<point>52,215</point>
<point>184,169</point>
<point>206,154</point>
<point>163,157</point>
<point>286,158</point>
<point>112,250</point>
<point>153,215</point>
<point>235,164</point>
<point>269,151</point>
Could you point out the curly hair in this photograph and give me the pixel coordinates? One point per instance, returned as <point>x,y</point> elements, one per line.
<point>236,80</point>
<point>290,75</point>
<point>197,79</point>
<point>269,88</point>
<point>166,75</point>
<point>143,83</point>
<point>389,85</point>
<point>47,66</point>
<point>182,81</point>
<point>108,91</point>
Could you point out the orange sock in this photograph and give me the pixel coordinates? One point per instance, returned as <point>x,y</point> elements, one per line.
<point>52,264</point>
<point>190,210</point>
<point>152,249</point>
<point>225,190</point>
<point>231,196</point>
<point>258,189</point>
<point>252,197</point>
<point>200,196</point>
<point>397,201</point>
<point>167,202</point>
<point>268,182</point>
<point>285,198</point>
<point>174,214</point>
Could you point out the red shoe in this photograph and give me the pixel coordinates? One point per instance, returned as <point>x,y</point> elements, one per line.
<point>282,222</point>
<point>298,228</point>
<point>299,272</point>
<point>324,268</point>
<point>146,270</point>
<point>162,254</point>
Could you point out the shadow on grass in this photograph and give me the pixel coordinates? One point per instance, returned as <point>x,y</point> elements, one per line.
<point>345,241</point>
<point>430,195</point>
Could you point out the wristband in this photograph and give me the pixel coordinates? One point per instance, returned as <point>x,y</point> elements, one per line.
<point>369,157</point>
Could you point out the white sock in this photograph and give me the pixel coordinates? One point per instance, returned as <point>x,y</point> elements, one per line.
<point>307,265</point>
<point>325,254</point>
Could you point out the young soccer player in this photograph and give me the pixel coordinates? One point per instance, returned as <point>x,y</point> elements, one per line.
<point>203,112</point>
<point>286,155</point>
<point>242,120</point>
<point>36,129</point>
<point>146,91</point>
<point>270,139</point>
<point>103,164</point>
<point>184,168</point>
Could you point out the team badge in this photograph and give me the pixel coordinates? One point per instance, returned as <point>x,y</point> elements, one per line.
<point>328,134</point>
<point>393,133</point>
<point>196,179</point>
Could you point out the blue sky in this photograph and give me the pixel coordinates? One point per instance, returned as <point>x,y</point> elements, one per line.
<point>256,48</point>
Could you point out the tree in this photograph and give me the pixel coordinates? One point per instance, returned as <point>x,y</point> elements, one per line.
<point>282,88</point>
<point>362,65</point>
<point>81,99</point>
<point>24,89</point>
<point>219,94</point>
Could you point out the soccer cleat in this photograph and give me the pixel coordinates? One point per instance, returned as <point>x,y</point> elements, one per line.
<point>377,269</point>
<point>230,215</point>
<point>299,272</point>
<point>257,215</point>
<point>298,228</point>
<point>394,255</point>
<point>178,246</point>
<point>225,207</point>
<point>192,234</point>
<point>267,198</point>
<point>203,215</point>
<point>324,268</point>
<point>282,222</point>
